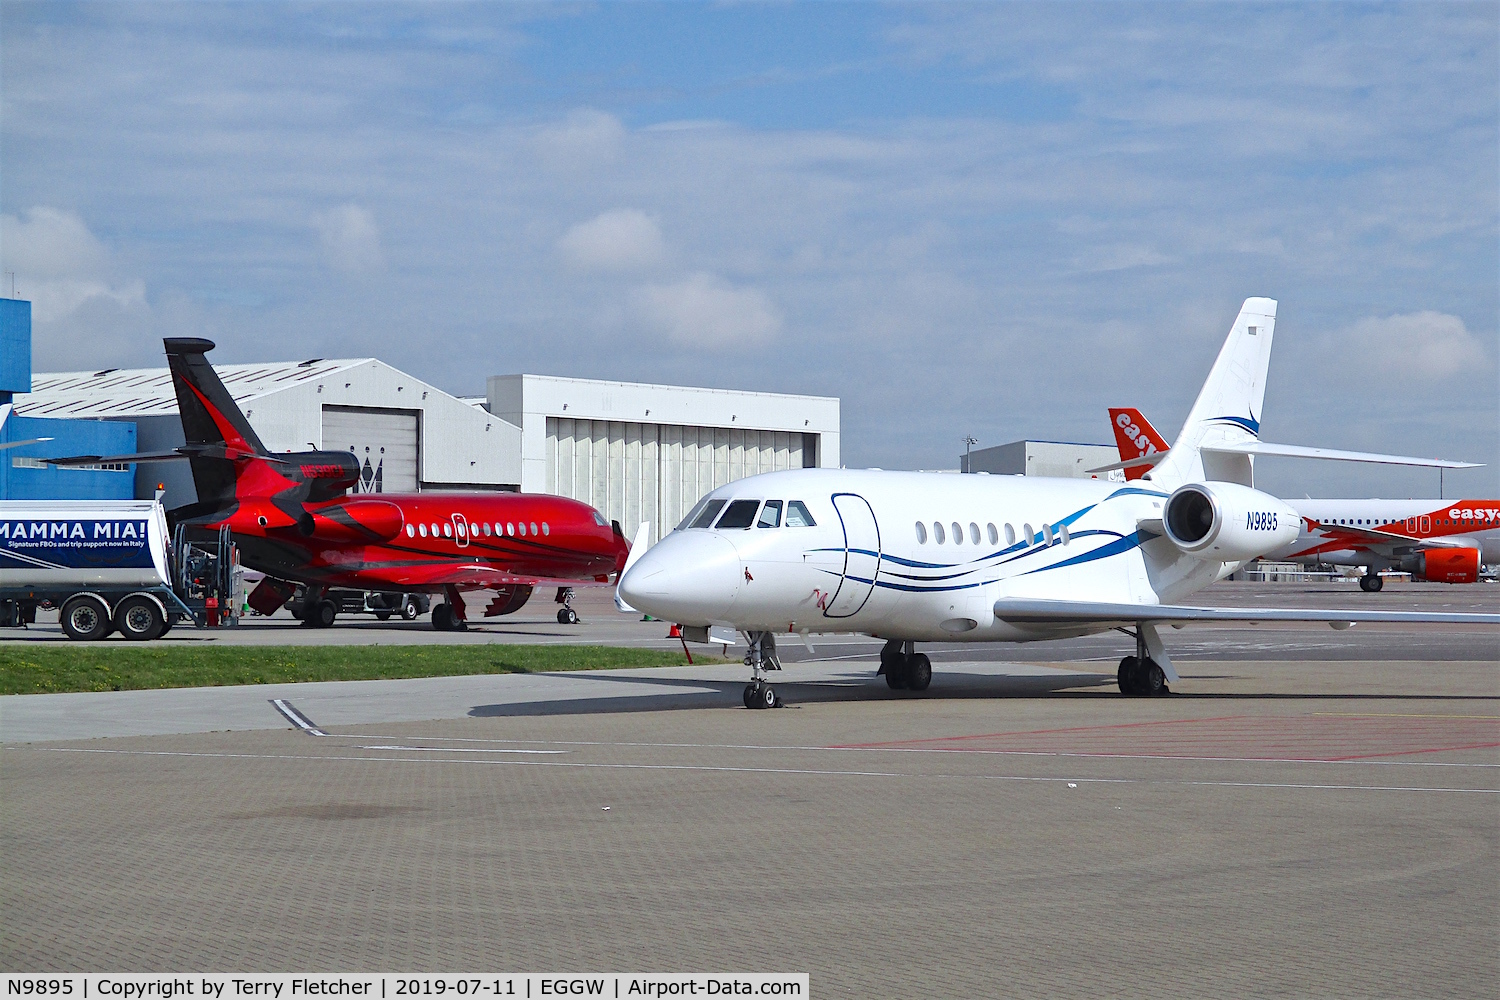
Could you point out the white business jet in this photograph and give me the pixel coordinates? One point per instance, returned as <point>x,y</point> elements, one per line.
<point>911,556</point>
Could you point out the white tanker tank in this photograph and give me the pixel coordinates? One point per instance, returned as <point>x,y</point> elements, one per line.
<point>104,563</point>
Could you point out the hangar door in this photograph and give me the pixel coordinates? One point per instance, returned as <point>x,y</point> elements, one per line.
<point>634,472</point>
<point>384,442</point>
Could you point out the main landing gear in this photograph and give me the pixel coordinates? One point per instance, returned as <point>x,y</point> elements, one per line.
<point>565,614</point>
<point>904,668</point>
<point>760,658</point>
<point>1371,583</point>
<point>1140,675</point>
<point>450,617</point>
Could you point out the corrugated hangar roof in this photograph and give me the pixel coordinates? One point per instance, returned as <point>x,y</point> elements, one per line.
<point>147,392</point>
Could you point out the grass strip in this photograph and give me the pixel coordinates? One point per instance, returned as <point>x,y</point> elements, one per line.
<point>56,667</point>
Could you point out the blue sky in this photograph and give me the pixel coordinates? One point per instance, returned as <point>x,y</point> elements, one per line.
<point>992,219</point>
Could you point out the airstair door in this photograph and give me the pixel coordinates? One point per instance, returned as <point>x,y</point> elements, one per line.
<point>861,555</point>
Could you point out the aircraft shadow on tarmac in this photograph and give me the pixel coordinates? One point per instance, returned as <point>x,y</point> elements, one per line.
<point>685,693</point>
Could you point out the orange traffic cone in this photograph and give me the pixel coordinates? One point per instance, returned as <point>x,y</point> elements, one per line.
<point>675,632</point>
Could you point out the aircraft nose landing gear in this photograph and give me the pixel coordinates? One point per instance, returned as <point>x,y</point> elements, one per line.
<point>760,658</point>
<point>565,614</point>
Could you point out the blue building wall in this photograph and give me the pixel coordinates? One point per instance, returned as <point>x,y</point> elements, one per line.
<point>20,480</point>
<point>15,347</point>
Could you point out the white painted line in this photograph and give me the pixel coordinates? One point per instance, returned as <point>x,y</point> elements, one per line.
<point>459,749</point>
<point>721,769</point>
<point>295,717</point>
<point>943,750</point>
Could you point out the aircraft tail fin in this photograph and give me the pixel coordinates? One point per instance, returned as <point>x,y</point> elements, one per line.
<point>1135,438</point>
<point>214,427</point>
<point>1228,408</point>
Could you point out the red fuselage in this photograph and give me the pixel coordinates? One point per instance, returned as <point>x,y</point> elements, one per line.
<point>429,541</point>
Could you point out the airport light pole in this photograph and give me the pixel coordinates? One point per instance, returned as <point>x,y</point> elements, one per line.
<point>969,442</point>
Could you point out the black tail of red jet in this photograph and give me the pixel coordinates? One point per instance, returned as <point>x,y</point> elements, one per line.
<point>228,459</point>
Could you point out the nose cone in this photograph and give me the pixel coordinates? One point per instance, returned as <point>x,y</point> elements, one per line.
<point>690,577</point>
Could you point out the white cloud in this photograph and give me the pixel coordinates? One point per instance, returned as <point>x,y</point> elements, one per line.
<point>706,311</point>
<point>61,265</point>
<point>1428,346</point>
<point>585,139</point>
<point>623,239</point>
<point>350,238</point>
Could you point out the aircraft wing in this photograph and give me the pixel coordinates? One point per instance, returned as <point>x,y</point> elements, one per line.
<point>1370,538</point>
<point>1044,612</point>
<point>1300,451</point>
<point>1144,461</point>
<point>17,444</point>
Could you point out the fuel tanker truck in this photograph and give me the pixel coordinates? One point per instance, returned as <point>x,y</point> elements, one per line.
<point>109,565</point>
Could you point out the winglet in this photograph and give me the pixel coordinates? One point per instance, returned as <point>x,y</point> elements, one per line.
<point>637,549</point>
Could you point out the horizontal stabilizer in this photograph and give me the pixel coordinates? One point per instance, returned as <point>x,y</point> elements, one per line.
<point>1043,612</point>
<point>1134,463</point>
<point>1298,451</point>
<point>145,456</point>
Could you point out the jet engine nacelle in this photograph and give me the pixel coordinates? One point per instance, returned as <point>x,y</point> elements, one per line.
<point>1227,521</point>
<point>1444,565</point>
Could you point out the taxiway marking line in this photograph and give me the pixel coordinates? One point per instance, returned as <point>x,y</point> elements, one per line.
<point>464,749</point>
<point>877,748</point>
<point>777,770</point>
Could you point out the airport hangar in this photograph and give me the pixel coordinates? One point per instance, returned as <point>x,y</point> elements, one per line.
<point>636,452</point>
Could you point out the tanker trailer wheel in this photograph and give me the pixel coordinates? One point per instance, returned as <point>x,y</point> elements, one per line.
<point>86,617</point>
<point>139,617</point>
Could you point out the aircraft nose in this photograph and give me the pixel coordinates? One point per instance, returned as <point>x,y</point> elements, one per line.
<point>690,577</point>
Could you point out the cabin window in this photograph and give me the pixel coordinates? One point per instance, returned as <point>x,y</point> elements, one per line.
<point>1047,533</point>
<point>521,528</point>
<point>770,515</point>
<point>410,531</point>
<point>1064,529</point>
<point>973,532</point>
<point>533,527</point>
<point>798,517</point>
<point>707,513</point>
<point>447,531</point>
<point>510,528</point>
<point>499,530</point>
<point>423,529</point>
<point>486,529</point>
<point>436,531</point>
<point>937,532</point>
<point>474,531</point>
<point>1010,535</point>
<point>739,514</point>
<point>994,535</point>
<point>921,533</point>
<point>546,530</point>
<point>958,533</point>
<point>1029,536</point>
<point>463,531</point>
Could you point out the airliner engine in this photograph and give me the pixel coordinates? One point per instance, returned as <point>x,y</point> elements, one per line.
<point>1444,565</point>
<point>1228,522</point>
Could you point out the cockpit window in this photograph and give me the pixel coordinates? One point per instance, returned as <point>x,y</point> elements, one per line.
<point>797,515</point>
<point>741,514</point>
<point>687,521</point>
<point>599,520</point>
<point>708,513</point>
<point>770,515</point>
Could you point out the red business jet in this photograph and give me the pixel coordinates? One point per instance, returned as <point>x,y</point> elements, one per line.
<point>294,521</point>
